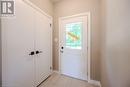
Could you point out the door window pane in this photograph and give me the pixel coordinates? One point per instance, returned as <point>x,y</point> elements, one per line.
<point>74,35</point>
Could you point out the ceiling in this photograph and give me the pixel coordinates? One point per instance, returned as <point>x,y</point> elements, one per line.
<point>55,0</point>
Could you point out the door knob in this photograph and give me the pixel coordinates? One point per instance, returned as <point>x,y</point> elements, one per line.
<point>32,53</point>
<point>62,47</point>
<point>37,52</point>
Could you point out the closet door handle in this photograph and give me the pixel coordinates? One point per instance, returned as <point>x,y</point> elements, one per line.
<point>37,52</point>
<point>32,53</point>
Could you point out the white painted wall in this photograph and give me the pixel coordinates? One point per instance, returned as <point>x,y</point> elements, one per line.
<point>0,57</point>
<point>45,5</point>
<point>72,7</point>
<point>115,43</point>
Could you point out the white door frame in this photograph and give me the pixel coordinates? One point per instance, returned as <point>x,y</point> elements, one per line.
<point>89,40</point>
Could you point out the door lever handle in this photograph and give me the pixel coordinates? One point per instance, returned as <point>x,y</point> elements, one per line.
<point>37,52</point>
<point>32,53</point>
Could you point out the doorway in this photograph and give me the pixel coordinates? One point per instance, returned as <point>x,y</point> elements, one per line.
<point>74,46</point>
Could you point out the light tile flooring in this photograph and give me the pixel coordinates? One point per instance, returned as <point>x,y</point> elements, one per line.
<point>57,80</point>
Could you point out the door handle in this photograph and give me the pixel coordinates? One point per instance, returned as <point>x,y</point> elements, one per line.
<point>32,53</point>
<point>62,47</point>
<point>37,52</point>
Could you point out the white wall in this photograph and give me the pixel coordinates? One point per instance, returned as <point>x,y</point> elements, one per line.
<point>115,43</point>
<point>45,5</point>
<point>0,57</point>
<point>72,7</point>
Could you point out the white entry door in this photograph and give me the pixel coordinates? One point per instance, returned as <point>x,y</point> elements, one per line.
<point>73,47</point>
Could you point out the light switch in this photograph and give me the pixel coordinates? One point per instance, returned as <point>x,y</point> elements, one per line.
<point>55,40</point>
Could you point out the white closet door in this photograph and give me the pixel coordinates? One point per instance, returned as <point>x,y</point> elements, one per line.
<point>17,43</point>
<point>43,45</point>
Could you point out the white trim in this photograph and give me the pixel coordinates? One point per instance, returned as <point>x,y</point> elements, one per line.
<point>77,15</point>
<point>55,71</point>
<point>89,39</point>
<point>89,46</point>
<point>51,44</point>
<point>37,8</point>
<point>94,82</point>
<point>100,85</point>
<point>59,47</point>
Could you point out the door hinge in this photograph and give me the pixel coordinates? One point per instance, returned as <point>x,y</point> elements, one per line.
<point>50,25</point>
<point>50,68</point>
<point>87,73</point>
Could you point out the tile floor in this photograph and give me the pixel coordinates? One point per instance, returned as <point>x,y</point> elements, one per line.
<point>57,80</point>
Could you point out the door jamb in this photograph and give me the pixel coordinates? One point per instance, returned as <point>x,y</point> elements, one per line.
<point>89,41</point>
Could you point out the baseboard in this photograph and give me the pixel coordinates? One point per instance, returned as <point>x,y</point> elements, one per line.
<point>55,71</point>
<point>94,82</point>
